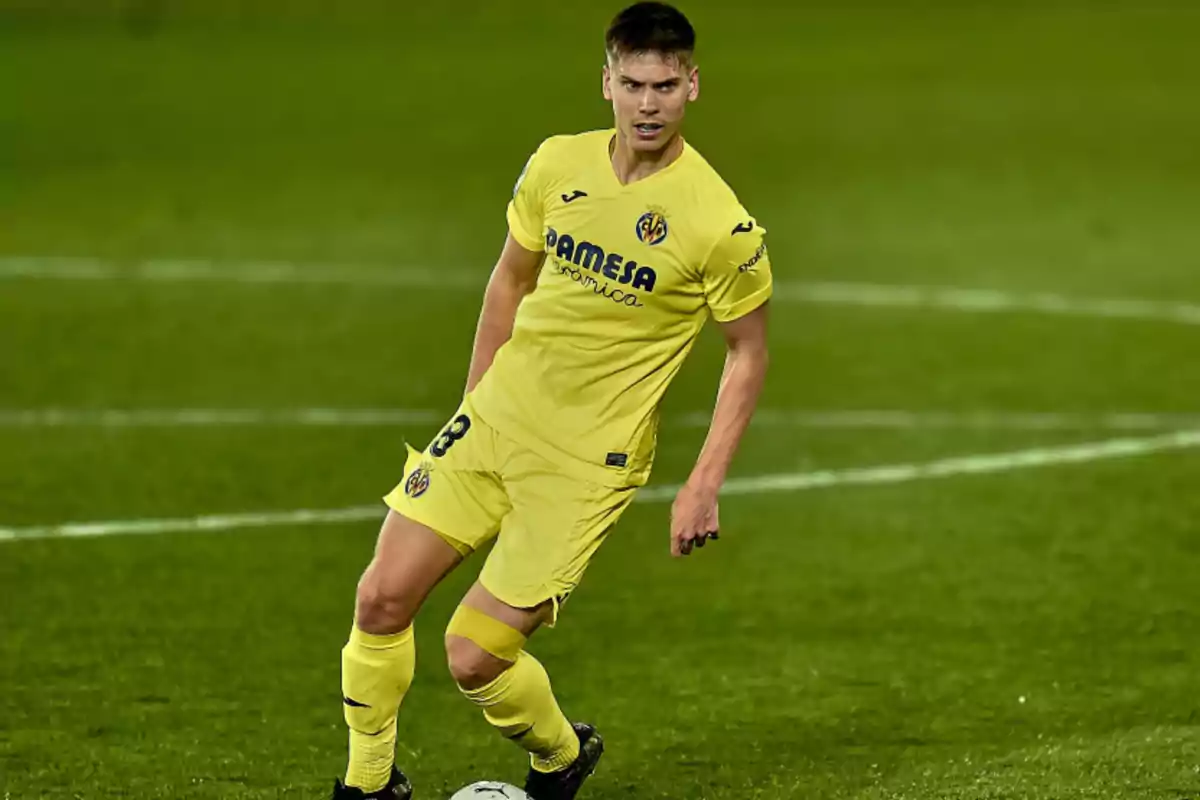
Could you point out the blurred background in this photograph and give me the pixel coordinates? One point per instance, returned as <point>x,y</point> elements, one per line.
<point>242,249</point>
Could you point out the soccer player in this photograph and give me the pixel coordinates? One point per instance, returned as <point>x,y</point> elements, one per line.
<point>621,244</point>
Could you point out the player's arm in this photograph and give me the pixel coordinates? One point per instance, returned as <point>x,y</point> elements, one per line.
<point>737,286</point>
<point>515,274</point>
<point>695,514</point>
<point>746,360</point>
<point>513,277</point>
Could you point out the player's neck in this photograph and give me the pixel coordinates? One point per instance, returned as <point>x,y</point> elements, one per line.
<point>634,165</point>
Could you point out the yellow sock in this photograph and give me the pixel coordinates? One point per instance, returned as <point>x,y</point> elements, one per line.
<point>376,673</point>
<point>521,705</point>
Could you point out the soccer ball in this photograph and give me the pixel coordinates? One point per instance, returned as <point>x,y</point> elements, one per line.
<point>489,790</point>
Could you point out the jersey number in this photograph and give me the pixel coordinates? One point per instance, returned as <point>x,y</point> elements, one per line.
<point>457,430</point>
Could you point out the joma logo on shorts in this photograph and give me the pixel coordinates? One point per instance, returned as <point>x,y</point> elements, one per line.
<point>613,266</point>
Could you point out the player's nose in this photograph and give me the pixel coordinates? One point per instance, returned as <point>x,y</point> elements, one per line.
<point>647,104</point>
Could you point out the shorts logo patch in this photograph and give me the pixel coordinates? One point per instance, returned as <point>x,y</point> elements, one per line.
<point>651,228</point>
<point>418,482</point>
<point>616,460</point>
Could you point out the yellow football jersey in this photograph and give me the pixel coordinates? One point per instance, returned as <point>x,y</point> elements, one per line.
<point>631,274</point>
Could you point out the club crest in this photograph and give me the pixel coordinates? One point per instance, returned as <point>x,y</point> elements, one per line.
<point>417,482</point>
<point>652,227</point>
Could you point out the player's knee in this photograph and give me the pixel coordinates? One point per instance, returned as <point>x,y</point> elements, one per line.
<point>381,607</point>
<point>471,666</point>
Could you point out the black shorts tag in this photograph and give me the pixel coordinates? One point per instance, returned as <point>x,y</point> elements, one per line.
<point>616,460</point>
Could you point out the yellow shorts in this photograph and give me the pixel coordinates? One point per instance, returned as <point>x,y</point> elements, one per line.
<point>473,484</point>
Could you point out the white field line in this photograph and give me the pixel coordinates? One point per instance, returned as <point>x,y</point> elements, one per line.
<point>252,272</point>
<point>947,467</point>
<point>884,419</point>
<point>855,419</point>
<point>216,417</point>
<point>988,301</point>
<point>210,522</point>
<point>783,482</point>
<point>857,294</point>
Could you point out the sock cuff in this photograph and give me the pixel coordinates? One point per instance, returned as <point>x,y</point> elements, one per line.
<point>560,759</point>
<point>487,694</point>
<point>385,641</point>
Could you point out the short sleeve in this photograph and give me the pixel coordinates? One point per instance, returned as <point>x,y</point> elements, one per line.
<point>737,276</point>
<point>527,208</point>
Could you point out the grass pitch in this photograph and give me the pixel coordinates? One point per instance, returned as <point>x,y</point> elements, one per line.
<point>1032,634</point>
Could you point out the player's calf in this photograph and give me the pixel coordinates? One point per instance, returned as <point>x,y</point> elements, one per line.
<point>378,660</point>
<point>517,700</point>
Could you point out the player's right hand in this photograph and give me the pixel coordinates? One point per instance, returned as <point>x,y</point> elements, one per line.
<point>694,519</point>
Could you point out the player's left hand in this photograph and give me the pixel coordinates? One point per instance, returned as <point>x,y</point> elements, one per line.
<point>693,518</point>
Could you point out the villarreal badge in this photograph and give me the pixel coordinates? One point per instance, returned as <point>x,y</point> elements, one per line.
<point>417,482</point>
<point>651,227</point>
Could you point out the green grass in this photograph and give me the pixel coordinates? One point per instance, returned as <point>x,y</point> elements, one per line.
<point>1034,634</point>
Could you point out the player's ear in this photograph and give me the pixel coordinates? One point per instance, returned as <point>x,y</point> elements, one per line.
<point>694,83</point>
<point>604,86</point>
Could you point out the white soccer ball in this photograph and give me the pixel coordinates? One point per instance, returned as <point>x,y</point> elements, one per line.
<point>489,790</point>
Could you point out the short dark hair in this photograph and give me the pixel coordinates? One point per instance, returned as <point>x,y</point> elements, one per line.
<point>651,28</point>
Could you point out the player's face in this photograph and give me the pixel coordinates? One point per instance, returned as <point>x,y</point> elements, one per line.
<point>649,93</point>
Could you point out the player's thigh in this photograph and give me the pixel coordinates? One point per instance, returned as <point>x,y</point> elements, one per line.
<point>546,542</point>
<point>410,559</point>
<point>453,487</point>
